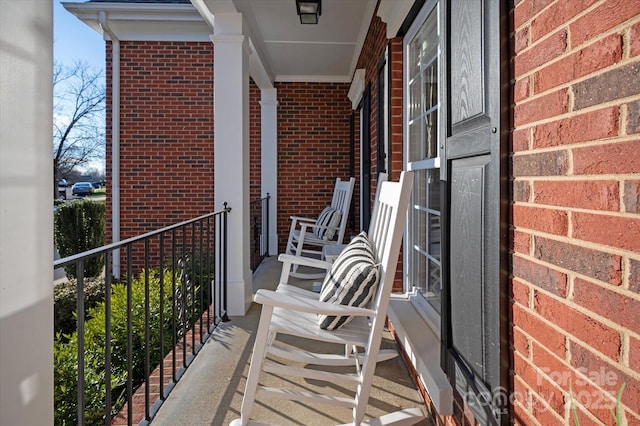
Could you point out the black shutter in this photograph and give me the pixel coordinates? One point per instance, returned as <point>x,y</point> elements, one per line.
<point>382,112</point>
<point>366,157</point>
<point>352,166</point>
<point>475,319</point>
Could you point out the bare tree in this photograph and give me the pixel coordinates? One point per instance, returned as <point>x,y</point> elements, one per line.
<point>78,118</point>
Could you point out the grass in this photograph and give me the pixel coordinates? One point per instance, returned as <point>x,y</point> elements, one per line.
<point>98,193</point>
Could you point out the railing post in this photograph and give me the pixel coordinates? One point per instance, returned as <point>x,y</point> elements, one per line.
<point>225,317</point>
<point>265,221</point>
<point>184,316</point>
<point>80,330</point>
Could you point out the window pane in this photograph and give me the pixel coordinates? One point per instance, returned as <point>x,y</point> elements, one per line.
<point>423,103</point>
<point>420,186</point>
<point>415,100</point>
<point>430,82</point>
<point>434,288</point>
<point>414,56</point>
<point>431,135</point>
<point>419,269</point>
<point>415,137</point>
<point>429,38</point>
<point>434,189</point>
<point>420,229</point>
<point>434,236</point>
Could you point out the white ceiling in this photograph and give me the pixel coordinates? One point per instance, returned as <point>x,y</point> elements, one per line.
<point>327,51</point>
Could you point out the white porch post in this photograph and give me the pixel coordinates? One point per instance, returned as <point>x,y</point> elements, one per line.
<point>26,224</point>
<point>231,151</point>
<point>269,133</point>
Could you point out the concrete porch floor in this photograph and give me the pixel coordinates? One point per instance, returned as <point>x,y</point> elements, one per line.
<point>210,392</point>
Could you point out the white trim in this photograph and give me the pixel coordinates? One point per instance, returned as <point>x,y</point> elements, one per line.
<point>269,161</point>
<point>362,35</point>
<point>115,140</point>
<point>357,87</point>
<point>257,70</point>
<point>422,347</point>
<point>144,22</point>
<point>283,78</point>
<point>416,322</point>
<point>232,39</point>
<point>393,13</point>
<point>310,42</point>
<point>231,152</point>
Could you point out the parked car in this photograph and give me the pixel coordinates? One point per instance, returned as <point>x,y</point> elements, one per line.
<point>63,184</point>
<point>82,188</point>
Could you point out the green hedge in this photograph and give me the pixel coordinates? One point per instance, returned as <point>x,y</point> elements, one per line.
<point>79,226</point>
<point>65,354</point>
<point>65,295</point>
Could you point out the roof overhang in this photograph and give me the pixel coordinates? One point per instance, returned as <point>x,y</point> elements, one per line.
<point>144,21</point>
<point>283,49</point>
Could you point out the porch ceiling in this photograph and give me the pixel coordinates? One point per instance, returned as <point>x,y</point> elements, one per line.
<point>282,48</point>
<point>291,51</point>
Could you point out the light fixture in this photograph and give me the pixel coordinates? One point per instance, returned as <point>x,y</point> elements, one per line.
<point>309,10</point>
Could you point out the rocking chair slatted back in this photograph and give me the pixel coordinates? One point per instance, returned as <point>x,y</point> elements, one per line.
<point>294,313</point>
<point>304,233</point>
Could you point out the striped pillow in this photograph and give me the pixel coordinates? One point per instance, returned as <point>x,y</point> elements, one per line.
<point>352,280</point>
<point>329,217</point>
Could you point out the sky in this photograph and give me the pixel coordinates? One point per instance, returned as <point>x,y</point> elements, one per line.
<point>74,41</point>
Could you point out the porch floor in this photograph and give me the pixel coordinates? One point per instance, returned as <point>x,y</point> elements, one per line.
<point>210,392</point>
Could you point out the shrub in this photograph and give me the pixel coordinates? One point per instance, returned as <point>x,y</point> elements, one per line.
<point>78,227</point>
<point>65,302</point>
<point>66,359</point>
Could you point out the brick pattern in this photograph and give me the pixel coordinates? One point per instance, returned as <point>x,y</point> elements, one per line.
<point>313,148</point>
<point>166,135</point>
<point>575,224</point>
<point>371,56</point>
<point>255,143</point>
<point>172,366</point>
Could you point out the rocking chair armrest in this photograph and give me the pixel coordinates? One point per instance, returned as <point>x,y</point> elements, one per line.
<point>306,304</point>
<point>303,261</point>
<point>304,227</point>
<point>303,219</point>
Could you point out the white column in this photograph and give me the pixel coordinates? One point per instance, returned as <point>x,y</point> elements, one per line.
<point>231,151</point>
<point>269,134</point>
<point>26,203</point>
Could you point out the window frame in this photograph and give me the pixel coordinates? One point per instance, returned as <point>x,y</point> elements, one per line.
<point>418,300</point>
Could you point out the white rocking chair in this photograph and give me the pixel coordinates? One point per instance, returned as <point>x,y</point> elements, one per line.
<point>307,236</point>
<point>293,311</point>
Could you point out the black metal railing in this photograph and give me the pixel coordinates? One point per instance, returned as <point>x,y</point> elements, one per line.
<point>175,282</point>
<point>259,220</point>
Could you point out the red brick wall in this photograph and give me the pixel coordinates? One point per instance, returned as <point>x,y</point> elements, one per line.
<point>255,143</point>
<point>576,229</point>
<point>313,148</point>
<point>396,108</point>
<point>166,134</point>
<point>371,56</point>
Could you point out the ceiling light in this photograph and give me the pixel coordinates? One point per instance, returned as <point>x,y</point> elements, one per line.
<point>309,10</point>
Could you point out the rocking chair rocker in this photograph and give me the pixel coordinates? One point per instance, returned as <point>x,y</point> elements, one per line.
<point>339,316</point>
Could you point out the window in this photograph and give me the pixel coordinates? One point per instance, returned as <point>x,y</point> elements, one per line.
<point>422,153</point>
